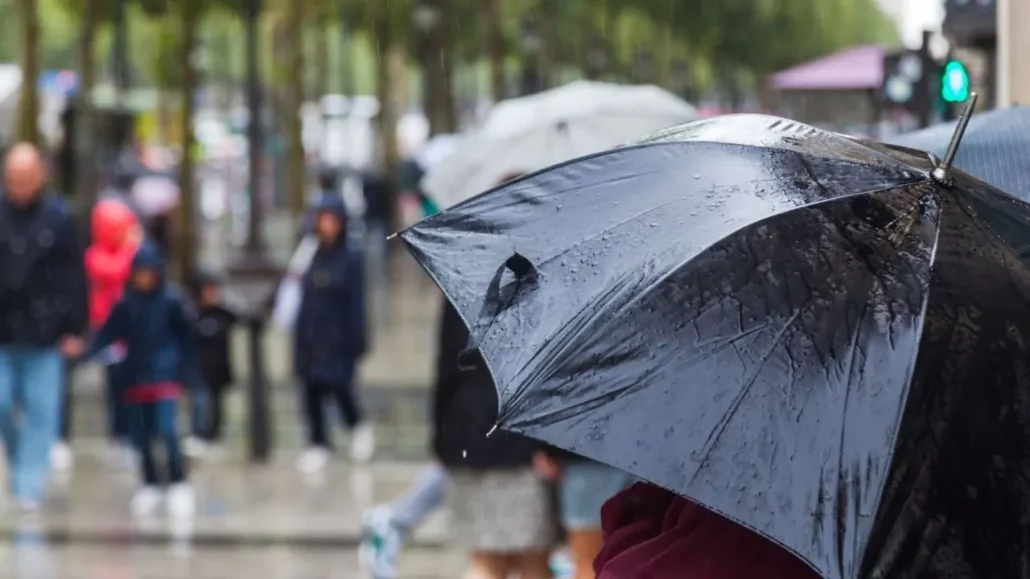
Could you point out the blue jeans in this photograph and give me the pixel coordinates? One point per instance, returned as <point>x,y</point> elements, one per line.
<point>585,486</point>
<point>31,396</point>
<point>426,495</point>
<point>200,411</point>
<point>150,420</point>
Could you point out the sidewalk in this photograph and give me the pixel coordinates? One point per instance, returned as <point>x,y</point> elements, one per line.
<point>237,506</point>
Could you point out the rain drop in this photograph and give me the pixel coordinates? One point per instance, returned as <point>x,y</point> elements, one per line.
<point>464,454</point>
<point>697,176</point>
<point>557,207</point>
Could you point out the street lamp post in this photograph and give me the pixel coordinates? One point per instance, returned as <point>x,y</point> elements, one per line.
<point>531,44</point>
<point>252,271</point>
<point>426,16</point>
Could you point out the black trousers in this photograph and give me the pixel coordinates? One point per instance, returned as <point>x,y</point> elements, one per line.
<point>215,415</point>
<point>316,395</point>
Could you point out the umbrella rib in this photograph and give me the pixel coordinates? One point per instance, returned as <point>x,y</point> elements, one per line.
<point>739,398</point>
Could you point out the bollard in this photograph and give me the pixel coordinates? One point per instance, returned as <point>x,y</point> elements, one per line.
<point>259,419</point>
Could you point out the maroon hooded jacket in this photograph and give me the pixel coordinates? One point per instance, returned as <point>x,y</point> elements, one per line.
<point>650,533</point>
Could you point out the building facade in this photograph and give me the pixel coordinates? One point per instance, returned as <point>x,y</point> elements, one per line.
<point>996,31</point>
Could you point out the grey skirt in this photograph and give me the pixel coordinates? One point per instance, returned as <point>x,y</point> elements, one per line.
<point>502,511</point>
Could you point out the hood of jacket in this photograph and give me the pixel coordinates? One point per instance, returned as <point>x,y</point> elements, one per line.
<point>149,257</point>
<point>111,222</point>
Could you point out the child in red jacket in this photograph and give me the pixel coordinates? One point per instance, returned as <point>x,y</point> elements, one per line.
<point>116,234</point>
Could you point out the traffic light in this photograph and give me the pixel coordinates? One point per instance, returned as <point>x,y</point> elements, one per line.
<point>954,82</point>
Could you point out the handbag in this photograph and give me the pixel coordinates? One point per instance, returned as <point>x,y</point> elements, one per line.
<point>290,292</point>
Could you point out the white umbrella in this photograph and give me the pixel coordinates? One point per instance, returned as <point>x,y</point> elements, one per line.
<point>529,133</point>
<point>155,194</point>
<point>436,150</point>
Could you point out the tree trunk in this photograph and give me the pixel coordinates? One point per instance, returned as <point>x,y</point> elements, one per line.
<point>28,98</point>
<point>84,186</point>
<point>322,61</point>
<point>296,169</point>
<point>443,116</point>
<point>87,62</point>
<point>493,37</point>
<point>185,233</point>
<point>385,86</point>
<point>547,60</point>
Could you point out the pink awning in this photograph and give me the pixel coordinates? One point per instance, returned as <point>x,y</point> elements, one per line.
<point>859,68</point>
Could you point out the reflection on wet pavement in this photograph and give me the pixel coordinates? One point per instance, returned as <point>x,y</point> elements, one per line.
<point>237,504</point>
<point>28,557</point>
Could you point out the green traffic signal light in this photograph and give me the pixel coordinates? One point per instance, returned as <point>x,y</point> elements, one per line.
<point>955,82</point>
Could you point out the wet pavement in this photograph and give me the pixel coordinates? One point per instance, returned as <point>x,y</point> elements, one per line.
<point>237,505</point>
<point>268,521</point>
<point>32,558</point>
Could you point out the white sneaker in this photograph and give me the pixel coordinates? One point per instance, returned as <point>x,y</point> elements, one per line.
<point>313,460</point>
<point>381,544</point>
<point>146,501</point>
<point>362,443</point>
<point>181,502</point>
<point>194,447</point>
<point>61,458</point>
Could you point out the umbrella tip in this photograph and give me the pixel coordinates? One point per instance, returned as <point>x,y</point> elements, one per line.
<point>391,236</point>
<point>492,430</point>
<point>942,172</point>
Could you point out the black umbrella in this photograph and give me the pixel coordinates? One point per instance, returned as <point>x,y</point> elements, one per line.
<point>995,148</point>
<point>802,332</point>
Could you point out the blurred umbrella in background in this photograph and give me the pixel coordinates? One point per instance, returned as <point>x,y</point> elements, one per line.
<point>413,169</point>
<point>996,148</point>
<point>155,194</point>
<point>800,331</point>
<point>529,133</point>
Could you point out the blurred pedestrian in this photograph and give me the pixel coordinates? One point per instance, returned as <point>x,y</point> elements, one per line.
<point>330,336</point>
<point>651,532</point>
<point>214,324</point>
<point>583,487</point>
<point>116,235</point>
<point>502,511</point>
<point>160,358</point>
<point>42,314</point>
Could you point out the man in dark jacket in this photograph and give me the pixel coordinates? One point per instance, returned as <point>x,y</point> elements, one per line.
<point>330,335</point>
<point>160,358</point>
<point>42,312</point>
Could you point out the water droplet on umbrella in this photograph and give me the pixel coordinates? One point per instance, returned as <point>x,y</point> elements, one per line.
<point>697,176</point>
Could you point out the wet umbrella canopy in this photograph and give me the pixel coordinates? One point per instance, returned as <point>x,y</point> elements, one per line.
<point>802,332</point>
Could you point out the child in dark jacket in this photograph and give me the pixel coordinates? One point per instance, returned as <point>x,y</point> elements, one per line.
<point>214,324</point>
<point>160,358</point>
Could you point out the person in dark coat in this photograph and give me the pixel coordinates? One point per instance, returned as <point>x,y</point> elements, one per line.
<point>214,324</point>
<point>503,512</point>
<point>330,336</point>
<point>43,311</point>
<point>160,359</point>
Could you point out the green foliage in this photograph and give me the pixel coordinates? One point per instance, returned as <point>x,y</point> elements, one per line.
<point>752,37</point>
